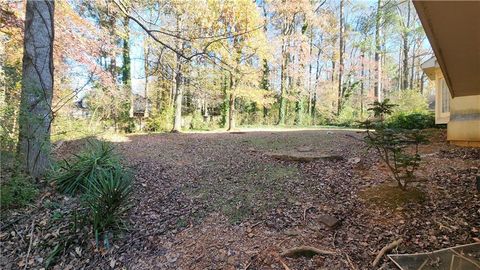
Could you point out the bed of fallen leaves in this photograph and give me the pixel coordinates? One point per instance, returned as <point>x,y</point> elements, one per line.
<point>217,201</point>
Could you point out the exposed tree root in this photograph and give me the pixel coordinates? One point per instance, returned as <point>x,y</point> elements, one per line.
<point>386,249</point>
<point>306,251</point>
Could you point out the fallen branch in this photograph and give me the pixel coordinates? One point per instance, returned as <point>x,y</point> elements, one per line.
<point>350,263</point>
<point>386,249</point>
<point>285,266</point>
<point>256,224</point>
<point>306,251</point>
<point>29,245</point>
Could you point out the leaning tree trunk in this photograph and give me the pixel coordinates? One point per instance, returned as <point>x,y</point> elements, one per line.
<point>37,87</point>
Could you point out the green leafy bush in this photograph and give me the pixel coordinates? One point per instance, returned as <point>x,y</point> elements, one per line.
<point>17,191</point>
<point>398,148</point>
<point>412,121</point>
<point>80,173</point>
<point>197,122</point>
<point>160,121</point>
<point>65,127</point>
<point>104,183</point>
<point>348,117</point>
<point>409,101</point>
<point>107,198</point>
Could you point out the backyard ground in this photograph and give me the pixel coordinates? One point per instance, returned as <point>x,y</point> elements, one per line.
<point>238,200</point>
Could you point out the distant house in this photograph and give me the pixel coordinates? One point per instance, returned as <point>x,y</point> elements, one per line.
<point>453,29</point>
<point>139,110</point>
<point>139,106</point>
<point>80,110</point>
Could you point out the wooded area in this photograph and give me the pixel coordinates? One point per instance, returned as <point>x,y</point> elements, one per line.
<point>173,65</point>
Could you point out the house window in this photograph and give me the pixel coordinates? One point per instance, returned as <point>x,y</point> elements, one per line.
<point>445,96</point>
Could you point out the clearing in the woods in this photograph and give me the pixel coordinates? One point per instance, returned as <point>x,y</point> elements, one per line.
<point>239,200</point>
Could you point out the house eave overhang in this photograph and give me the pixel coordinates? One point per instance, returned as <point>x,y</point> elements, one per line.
<point>453,29</point>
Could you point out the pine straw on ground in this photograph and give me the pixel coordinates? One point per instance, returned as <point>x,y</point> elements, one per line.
<point>216,201</point>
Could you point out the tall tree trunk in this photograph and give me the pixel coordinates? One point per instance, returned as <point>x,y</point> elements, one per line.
<point>177,117</point>
<point>362,83</point>
<point>225,110</point>
<point>400,57</point>
<point>126,53</point>
<point>265,85</point>
<point>405,69</point>
<point>378,62</point>
<point>282,105</point>
<point>146,53</point>
<point>113,56</point>
<point>171,99</point>
<point>126,63</point>
<point>412,70</point>
<point>317,77</point>
<point>340,66</point>
<point>406,48</point>
<point>231,105</point>
<point>36,113</point>
<point>422,78</point>
<point>310,68</point>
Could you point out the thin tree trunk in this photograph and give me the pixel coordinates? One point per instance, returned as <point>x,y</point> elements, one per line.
<point>225,102</point>
<point>282,105</point>
<point>126,64</point>
<point>422,78</point>
<point>400,57</point>
<point>317,77</point>
<point>412,69</point>
<point>362,83</point>
<point>146,113</point>
<point>36,113</point>
<point>126,53</point>
<point>265,85</point>
<point>406,48</point>
<point>177,117</point>
<point>378,62</point>
<point>231,105</point>
<point>340,66</point>
<point>310,68</point>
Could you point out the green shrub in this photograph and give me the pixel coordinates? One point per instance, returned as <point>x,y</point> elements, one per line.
<point>197,122</point>
<point>105,184</point>
<point>78,174</point>
<point>411,121</point>
<point>107,198</point>
<point>160,121</point>
<point>348,117</point>
<point>69,128</point>
<point>392,145</point>
<point>17,192</point>
<point>409,101</point>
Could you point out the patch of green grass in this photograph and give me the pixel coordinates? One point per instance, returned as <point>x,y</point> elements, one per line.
<point>392,197</point>
<point>250,194</point>
<point>182,223</point>
<point>18,191</point>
